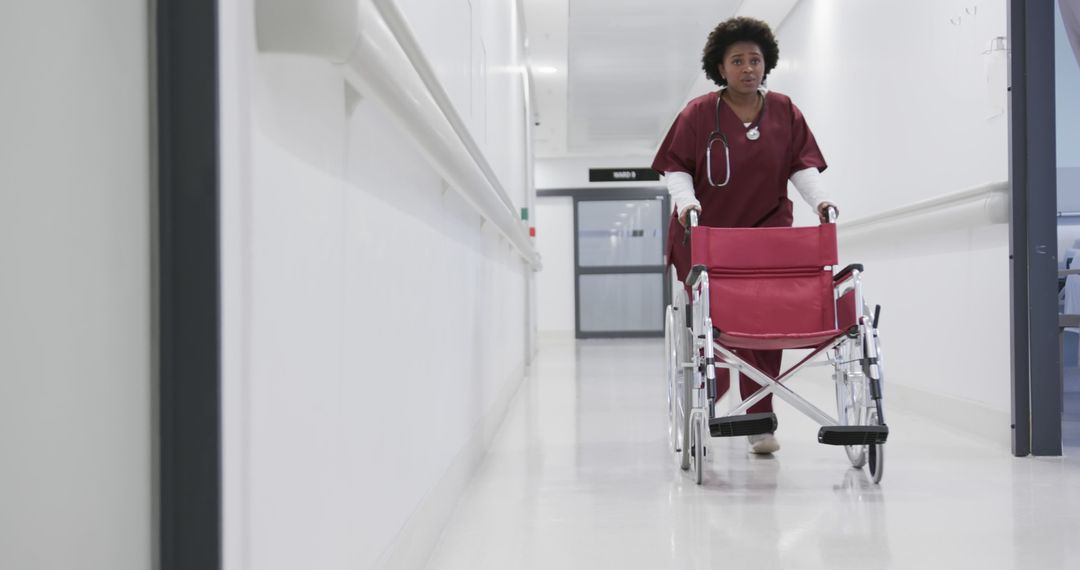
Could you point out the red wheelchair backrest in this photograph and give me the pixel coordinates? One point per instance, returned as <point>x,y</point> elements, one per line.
<point>769,280</point>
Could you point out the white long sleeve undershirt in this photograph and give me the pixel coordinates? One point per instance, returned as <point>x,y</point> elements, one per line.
<point>808,182</point>
<point>680,186</point>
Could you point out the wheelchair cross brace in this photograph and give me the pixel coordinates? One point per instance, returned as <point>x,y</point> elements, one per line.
<point>770,386</point>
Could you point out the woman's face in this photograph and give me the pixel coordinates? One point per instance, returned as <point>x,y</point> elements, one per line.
<point>743,67</point>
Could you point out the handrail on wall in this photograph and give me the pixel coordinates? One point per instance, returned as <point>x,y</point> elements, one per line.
<point>985,204</point>
<point>371,42</point>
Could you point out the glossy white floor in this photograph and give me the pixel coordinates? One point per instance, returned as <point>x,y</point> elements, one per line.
<point>580,477</point>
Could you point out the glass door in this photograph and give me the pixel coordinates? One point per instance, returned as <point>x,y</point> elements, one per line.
<point>1067,115</point>
<point>619,241</point>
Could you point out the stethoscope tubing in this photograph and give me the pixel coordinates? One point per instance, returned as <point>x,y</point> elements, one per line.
<point>718,134</point>
<point>727,159</point>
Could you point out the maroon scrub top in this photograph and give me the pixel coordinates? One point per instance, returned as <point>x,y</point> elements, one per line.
<point>756,195</point>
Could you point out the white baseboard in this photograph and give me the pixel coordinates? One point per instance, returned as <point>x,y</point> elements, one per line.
<point>970,418</point>
<point>414,543</point>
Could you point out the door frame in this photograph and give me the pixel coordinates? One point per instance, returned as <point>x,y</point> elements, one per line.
<point>188,285</point>
<point>1036,364</point>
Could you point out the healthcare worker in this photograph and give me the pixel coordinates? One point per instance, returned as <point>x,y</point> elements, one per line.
<point>729,155</point>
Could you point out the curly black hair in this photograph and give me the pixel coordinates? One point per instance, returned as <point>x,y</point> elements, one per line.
<point>738,29</point>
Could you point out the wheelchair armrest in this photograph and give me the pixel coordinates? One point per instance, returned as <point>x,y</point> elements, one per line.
<point>695,274</point>
<point>846,272</point>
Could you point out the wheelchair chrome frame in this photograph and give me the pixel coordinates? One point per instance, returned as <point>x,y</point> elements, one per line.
<point>680,414</point>
<point>771,386</point>
<point>701,410</point>
<point>703,336</point>
<point>849,375</point>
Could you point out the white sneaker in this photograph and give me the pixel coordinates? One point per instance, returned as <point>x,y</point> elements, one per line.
<point>763,443</point>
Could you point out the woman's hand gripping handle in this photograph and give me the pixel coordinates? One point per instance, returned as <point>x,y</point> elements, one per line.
<point>829,214</point>
<point>691,222</point>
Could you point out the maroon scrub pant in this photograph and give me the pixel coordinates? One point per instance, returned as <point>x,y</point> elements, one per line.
<point>767,361</point>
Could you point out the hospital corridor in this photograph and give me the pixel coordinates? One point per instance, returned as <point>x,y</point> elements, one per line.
<point>539,284</point>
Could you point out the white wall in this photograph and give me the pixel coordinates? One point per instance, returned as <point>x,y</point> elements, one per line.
<point>555,284</point>
<point>900,116</point>
<point>907,107</point>
<point>573,172</point>
<point>376,325</point>
<point>76,403</point>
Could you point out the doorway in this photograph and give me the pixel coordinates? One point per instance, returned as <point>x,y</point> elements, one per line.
<point>619,285</point>
<point>1067,115</point>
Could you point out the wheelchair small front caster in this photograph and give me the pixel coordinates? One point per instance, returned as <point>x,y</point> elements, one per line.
<point>697,448</point>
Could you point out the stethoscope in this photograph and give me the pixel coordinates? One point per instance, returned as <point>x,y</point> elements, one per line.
<point>753,134</point>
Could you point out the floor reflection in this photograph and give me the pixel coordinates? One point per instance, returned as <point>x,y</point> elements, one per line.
<point>580,476</point>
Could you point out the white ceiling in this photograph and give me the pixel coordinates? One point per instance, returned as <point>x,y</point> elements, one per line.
<point>610,75</point>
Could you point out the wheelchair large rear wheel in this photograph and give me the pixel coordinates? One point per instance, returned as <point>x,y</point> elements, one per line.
<point>851,396</point>
<point>855,404</point>
<point>875,453</point>
<point>855,414</point>
<point>678,394</point>
<point>670,355</point>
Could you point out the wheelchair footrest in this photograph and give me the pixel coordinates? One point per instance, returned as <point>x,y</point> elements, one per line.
<point>747,424</point>
<point>853,435</point>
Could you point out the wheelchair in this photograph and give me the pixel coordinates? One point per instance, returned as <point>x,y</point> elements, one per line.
<point>772,288</point>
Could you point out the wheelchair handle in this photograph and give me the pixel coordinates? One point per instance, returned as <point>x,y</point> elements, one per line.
<point>691,222</point>
<point>831,213</point>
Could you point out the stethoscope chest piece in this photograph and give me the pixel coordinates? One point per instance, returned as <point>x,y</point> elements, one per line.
<point>753,134</point>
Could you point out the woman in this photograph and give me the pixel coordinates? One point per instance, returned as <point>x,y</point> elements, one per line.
<point>729,155</point>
